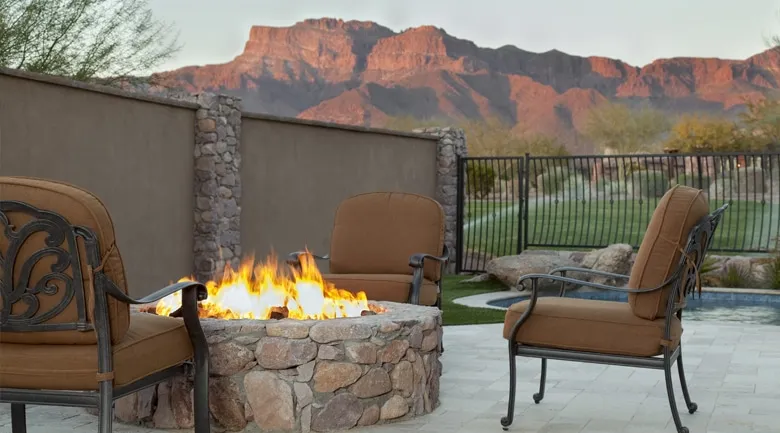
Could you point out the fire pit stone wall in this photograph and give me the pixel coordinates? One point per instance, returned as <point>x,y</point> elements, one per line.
<point>307,375</point>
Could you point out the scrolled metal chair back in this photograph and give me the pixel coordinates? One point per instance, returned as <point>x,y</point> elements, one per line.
<point>32,296</point>
<point>687,279</point>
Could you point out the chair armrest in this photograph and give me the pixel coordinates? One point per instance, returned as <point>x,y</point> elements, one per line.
<point>563,270</point>
<point>114,291</point>
<point>536,277</point>
<point>417,260</point>
<point>294,259</point>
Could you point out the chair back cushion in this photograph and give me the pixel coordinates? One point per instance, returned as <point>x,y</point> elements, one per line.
<point>677,213</point>
<point>377,233</point>
<point>79,208</point>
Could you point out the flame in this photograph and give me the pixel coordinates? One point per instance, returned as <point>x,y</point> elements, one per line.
<point>254,292</point>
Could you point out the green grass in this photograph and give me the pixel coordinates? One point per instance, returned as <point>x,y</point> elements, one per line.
<point>492,227</point>
<point>455,314</point>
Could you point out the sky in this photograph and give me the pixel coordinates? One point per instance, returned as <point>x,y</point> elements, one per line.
<point>635,31</point>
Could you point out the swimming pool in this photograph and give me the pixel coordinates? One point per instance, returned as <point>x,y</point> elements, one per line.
<point>734,307</point>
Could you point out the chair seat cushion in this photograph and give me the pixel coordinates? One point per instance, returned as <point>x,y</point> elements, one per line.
<point>384,287</point>
<point>152,343</point>
<point>590,326</point>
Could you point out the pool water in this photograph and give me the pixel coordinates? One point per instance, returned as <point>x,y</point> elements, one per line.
<point>746,308</point>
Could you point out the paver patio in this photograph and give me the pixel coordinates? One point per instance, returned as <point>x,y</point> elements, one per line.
<point>733,374</point>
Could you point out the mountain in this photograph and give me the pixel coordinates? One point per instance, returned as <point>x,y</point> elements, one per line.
<point>359,72</point>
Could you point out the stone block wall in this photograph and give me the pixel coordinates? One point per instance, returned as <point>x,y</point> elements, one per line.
<point>217,183</point>
<point>451,145</point>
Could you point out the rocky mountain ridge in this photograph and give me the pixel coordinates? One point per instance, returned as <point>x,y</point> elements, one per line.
<point>360,72</point>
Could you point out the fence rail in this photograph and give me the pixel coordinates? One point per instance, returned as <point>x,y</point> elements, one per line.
<point>509,204</point>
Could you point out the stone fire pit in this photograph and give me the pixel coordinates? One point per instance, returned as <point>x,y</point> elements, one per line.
<point>307,375</point>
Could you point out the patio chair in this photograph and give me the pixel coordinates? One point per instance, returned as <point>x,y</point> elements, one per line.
<point>67,337</point>
<point>644,332</point>
<point>389,245</point>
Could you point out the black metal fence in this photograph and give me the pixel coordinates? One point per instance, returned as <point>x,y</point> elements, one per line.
<point>509,204</point>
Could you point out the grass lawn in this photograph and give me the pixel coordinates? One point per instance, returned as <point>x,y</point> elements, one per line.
<point>455,314</point>
<point>493,226</point>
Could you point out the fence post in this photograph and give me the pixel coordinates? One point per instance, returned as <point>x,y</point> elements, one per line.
<point>460,215</point>
<point>524,203</point>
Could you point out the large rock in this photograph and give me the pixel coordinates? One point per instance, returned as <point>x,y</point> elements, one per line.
<point>330,376</point>
<point>509,269</point>
<point>277,353</point>
<point>616,259</point>
<point>342,412</point>
<point>271,400</point>
<point>225,403</point>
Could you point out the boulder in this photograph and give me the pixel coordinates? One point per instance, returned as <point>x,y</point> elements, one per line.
<point>509,269</point>
<point>616,259</point>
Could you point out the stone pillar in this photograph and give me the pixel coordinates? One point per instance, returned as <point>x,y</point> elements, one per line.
<point>217,232</point>
<point>451,144</point>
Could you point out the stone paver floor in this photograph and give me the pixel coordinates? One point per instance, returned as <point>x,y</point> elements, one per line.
<point>733,374</point>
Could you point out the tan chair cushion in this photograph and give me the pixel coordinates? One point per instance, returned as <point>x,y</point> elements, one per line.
<point>377,233</point>
<point>151,344</point>
<point>678,211</point>
<point>80,208</point>
<point>384,287</point>
<point>589,326</point>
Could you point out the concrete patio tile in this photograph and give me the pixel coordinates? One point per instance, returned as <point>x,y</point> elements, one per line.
<point>732,375</point>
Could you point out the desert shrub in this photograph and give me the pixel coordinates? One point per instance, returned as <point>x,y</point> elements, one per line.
<point>575,187</point>
<point>480,180</point>
<point>721,188</point>
<point>692,180</point>
<point>552,181</point>
<point>748,180</point>
<point>648,183</point>
<point>707,272</point>
<point>735,276</point>
<point>607,186</point>
<point>772,275</point>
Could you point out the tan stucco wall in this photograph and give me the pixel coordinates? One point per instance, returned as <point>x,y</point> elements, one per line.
<point>294,174</point>
<point>136,155</point>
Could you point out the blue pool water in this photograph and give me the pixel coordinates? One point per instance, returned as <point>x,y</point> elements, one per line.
<point>719,307</point>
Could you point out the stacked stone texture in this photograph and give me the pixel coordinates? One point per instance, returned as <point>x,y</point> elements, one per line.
<point>451,144</point>
<point>217,185</point>
<point>307,375</point>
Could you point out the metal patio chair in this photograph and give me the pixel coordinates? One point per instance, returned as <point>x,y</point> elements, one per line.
<point>644,332</point>
<point>67,337</point>
<point>389,245</point>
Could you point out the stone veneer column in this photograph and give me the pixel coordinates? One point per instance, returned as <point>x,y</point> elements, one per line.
<point>217,235</point>
<point>452,143</point>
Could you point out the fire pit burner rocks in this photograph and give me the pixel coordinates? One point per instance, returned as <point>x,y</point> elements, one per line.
<point>307,375</point>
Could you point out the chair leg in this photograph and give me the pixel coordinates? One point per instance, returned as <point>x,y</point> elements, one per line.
<point>201,398</point>
<point>18,418</point>
<point>507,420</point>
<point>670,392</point>
<point>106,407</point>
<point>540,395</point>
<point>692,407</point>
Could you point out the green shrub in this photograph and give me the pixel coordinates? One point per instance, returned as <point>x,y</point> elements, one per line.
<point>648,183</point>
<point>692,180</point>
<point>480,180</point>
<point>707,272</point>
<point>552,181</point>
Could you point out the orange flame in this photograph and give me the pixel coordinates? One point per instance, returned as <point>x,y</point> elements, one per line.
<point>254,292</point>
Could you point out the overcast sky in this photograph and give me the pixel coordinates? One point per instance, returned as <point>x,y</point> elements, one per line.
<point>635,31</point>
